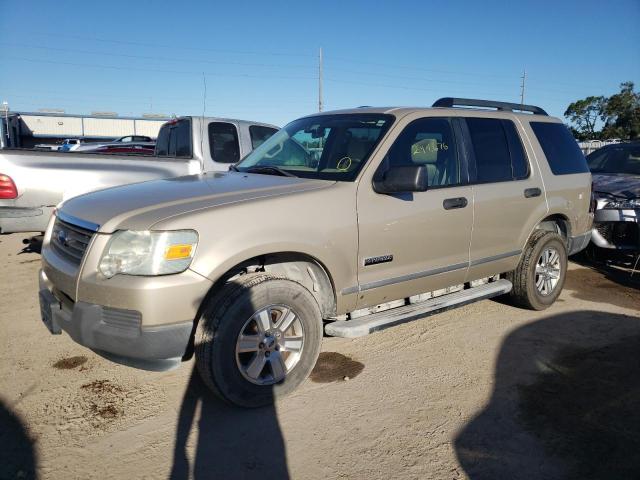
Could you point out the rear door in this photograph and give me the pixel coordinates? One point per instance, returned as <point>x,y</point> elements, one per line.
<point>508,194</point>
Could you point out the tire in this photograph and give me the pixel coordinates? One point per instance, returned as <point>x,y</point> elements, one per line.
<point>525,292</point>
<point>245,305</point>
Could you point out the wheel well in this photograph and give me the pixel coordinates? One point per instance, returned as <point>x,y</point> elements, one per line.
<point>298,267</point>
<point>556,223</point>
<point>308,272</point>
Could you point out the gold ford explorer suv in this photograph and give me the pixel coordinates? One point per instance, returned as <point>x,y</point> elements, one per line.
<point>349,221</point>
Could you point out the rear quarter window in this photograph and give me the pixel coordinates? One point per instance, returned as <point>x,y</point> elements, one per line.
<point>561,149</point>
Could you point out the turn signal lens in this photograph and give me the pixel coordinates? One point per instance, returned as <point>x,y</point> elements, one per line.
<point>178,252</point>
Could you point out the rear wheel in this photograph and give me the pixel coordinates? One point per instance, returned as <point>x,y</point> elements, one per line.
<point>539,277</point>
<point>258,339</point>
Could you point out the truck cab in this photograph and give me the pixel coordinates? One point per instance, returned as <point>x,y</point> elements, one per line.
<point>217,143</point>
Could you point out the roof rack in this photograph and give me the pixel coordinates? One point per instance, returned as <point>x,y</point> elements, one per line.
<point>502,106</point>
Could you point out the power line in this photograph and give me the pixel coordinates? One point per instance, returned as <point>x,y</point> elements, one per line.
<point>296,66</point>
<point>157,70</point>
<point>401,87</point>
<point>473,74</point>
<point>101,96</point>
<point>173,46</point>
<point>154,57</point>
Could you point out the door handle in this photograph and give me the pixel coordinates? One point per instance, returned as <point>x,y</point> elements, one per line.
<point>532,192</point>
<point>451,203</point>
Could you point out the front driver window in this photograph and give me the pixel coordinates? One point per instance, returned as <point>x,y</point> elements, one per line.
<point>429,142</point>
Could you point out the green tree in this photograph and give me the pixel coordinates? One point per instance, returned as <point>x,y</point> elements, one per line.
<point>621,114</point>
<point>584,114</point>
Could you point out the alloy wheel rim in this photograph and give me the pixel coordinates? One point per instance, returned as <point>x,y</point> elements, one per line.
<point>269,345</point>
<point>548,270</point>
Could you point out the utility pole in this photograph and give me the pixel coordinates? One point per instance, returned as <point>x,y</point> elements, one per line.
<point>524,78</point>
<point>320,81</point>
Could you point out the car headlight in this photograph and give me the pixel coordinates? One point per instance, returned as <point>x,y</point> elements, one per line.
<point>148,253</point>
<point>623,204</point>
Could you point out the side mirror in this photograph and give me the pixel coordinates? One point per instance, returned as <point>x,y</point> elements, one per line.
<point>411,178</point>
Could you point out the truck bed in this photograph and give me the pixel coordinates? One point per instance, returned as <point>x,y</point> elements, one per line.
<point>44,179</point>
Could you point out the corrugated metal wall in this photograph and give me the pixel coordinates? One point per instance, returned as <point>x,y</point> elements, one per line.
<point>150,128</point>
<point>53,126</point>
<point>108,127</point>
<point>65,126</point>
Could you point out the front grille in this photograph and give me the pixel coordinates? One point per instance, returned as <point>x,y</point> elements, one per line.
<point>70,241</point>
<point>621,234</point>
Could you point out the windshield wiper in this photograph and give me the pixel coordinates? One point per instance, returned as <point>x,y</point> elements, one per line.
<point>233,168</point>
<point>269,170</point>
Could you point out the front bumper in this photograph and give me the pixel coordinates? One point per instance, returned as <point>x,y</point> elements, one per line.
<point>112,330</point>
<point>617,229</point>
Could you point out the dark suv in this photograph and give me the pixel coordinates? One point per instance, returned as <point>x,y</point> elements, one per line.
<point>616,185</point>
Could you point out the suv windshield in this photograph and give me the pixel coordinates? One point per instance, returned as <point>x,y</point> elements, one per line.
<point>622,159</point>
<point>328,147</point>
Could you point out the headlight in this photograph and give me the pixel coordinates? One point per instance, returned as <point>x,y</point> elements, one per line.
<point>148,253</point>
<point>623,204</point>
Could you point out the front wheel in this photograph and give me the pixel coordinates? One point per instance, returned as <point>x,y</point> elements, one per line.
<point>259,338</point>
<point>539,277</point>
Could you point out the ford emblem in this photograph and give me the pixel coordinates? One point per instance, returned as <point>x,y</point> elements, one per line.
<point>62,237</point>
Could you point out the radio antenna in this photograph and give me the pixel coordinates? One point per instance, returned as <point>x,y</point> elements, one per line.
<point>204,111</point>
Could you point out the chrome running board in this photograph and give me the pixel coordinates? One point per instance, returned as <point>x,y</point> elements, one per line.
<point>389,318</point>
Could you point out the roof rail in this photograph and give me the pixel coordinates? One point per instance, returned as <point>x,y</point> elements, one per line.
<point>503,106</point>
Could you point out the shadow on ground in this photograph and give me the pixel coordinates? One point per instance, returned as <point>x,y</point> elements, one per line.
<point>615,266</point>
<point>566,403</point>
<point>230,442</point>
<point>17,455</point>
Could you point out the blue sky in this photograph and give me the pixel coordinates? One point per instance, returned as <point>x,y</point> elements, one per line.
<point>260,59</point>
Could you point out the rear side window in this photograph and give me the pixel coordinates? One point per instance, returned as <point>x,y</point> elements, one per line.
<point>560,148</point>
<point>223,142</point>
<point>259,134</point>
<point>493,160</point>
<point>174,140</point>
<point>498,150</point>
<point>519,163</point>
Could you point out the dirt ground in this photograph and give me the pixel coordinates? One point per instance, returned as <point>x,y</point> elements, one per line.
<point>487,391</point>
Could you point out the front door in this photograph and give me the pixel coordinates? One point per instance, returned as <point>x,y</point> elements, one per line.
<point>416,242</point>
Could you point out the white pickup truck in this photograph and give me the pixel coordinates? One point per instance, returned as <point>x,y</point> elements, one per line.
<point>32,182</point>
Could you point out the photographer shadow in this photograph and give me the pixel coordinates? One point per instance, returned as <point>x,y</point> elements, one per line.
<point>566,402</point>
<point>17,453</point>
<point>230,442</point>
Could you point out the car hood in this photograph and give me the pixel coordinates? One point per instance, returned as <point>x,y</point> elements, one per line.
<point>619,185</point>
<point>141,205</point>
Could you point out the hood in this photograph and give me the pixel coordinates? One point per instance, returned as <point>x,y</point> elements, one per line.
<point>157,200</point>
<point>617,184</point>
